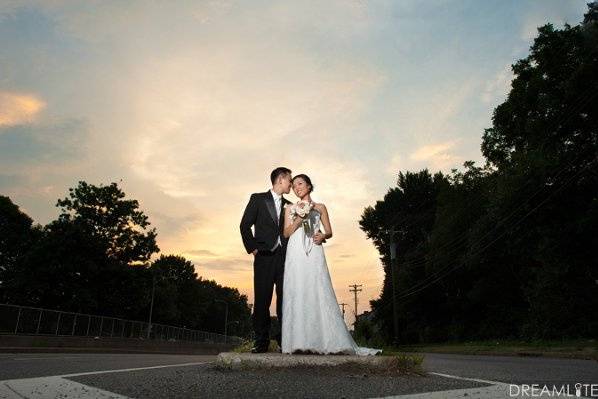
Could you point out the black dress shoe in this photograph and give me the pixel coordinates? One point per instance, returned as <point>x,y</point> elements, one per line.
<point>259,349</point>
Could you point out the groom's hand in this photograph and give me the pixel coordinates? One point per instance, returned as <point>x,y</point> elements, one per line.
<point>318,238</point>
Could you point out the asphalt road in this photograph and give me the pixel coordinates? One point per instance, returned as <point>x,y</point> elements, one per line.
<point>515,370</point>
<point>13,366</point>
<point>158,376</point>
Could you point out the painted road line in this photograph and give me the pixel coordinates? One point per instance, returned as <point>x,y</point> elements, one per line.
<point>53,387</point>
<point>133,369</point>
<point>59,386</point>
<point>495,390</point>
<point>491,392</point>
<point>469,379</point>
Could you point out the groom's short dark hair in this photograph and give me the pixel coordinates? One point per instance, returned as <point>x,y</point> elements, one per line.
<point>279,171</point>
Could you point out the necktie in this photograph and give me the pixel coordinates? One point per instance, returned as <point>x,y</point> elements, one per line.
<point>278,209</point>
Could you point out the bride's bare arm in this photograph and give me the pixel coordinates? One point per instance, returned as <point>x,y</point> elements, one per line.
<point>290,225</point>
<point>325,221</point>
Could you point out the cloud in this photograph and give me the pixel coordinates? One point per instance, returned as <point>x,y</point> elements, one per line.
<point>176,221</point>
<point>556,13</point>
<point>499,86</point>
<point>202,252</point>
<point>193,103</point>
<point>18,109</point>
<point>394,165</point>
<point>437,156</point>
<point>54,143</point>
<point>10,180</point>
<point>229,265</point>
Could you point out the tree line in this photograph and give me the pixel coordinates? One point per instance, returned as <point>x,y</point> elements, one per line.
<point>95,258</point>
<point>507,249</point>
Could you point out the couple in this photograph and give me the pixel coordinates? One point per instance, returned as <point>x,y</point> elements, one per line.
<point>287,248</point>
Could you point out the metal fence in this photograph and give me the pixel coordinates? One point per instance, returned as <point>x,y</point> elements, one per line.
<point>26,320</point>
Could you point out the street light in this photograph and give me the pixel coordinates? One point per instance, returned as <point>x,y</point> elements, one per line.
<point>225,317</point>
<point>149,327</point>
<point>395,306</point>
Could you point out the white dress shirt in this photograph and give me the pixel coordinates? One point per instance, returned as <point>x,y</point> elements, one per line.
<point>277,204</point>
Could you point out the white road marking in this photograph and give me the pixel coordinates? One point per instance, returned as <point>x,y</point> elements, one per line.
<point>496,390</point>
<point>52,387</point>
<point>469,379</point>
<point>133,369</point>
<point>491,392</point>
<point>47,358</point>
<point>59,386</point>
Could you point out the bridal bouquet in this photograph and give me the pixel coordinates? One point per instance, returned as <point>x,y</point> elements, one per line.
<point>301,209</point>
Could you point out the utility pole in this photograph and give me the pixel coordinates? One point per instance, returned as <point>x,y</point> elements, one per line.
<point>355,289</point>
<point>343,306</point>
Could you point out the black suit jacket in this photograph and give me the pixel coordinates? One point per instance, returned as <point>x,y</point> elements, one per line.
<point>261,213</point>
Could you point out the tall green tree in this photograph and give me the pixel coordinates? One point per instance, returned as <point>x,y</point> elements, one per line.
<point>112,220</point>
<point>544,144</point>
<point>17,236</point>
<point>407,212</point>
<point>182,298</point>
<point>510,250</point>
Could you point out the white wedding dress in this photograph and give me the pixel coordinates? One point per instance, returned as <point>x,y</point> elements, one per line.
<point>311,317</point>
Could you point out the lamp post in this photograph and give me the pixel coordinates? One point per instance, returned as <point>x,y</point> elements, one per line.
<point>149,327</point>
<point>237,322</point>
<point>225,317</point>
<point>393,266</point>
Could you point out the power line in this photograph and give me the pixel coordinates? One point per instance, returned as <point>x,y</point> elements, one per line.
<point>414,290</point>
<point>504,222</point>
<point>500,223</point>
<point>461,239</point>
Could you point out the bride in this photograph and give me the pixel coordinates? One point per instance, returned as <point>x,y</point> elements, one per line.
<point>312,320</point>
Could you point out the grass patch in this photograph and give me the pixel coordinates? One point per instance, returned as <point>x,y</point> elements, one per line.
<point>407,364</point>
<point>40,343</point>
<point>246,346</point>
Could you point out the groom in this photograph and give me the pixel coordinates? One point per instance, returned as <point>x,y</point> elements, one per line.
<point>268,245</point>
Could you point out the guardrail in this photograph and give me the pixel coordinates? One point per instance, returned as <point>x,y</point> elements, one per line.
<point>15,319</point>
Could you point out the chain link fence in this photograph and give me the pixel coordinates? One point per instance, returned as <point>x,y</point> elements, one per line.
<point>26,320</point>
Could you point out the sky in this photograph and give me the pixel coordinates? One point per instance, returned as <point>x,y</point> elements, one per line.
<point>188,106</point>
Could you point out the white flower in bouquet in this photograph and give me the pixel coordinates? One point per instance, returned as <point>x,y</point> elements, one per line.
<point>301,209</point>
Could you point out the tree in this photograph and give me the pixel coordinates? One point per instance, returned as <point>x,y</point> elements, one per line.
<point>507,250</point>
<point>93,259</point>
<point>544,143</point>
<point>17,235</point>
<point>184,299</point>
<point>113,221</point>
<point>409,211</point>
<point>549,118</point>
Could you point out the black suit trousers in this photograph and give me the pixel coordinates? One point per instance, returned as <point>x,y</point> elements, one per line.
<point>268,271</point>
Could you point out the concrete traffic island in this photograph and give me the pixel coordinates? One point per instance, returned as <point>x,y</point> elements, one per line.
<point>402,364</point>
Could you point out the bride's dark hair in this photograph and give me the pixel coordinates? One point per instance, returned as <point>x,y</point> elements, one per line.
<point>306,179</point>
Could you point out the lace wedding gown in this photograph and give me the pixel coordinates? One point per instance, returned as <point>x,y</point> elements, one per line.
<point>311,317</point>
